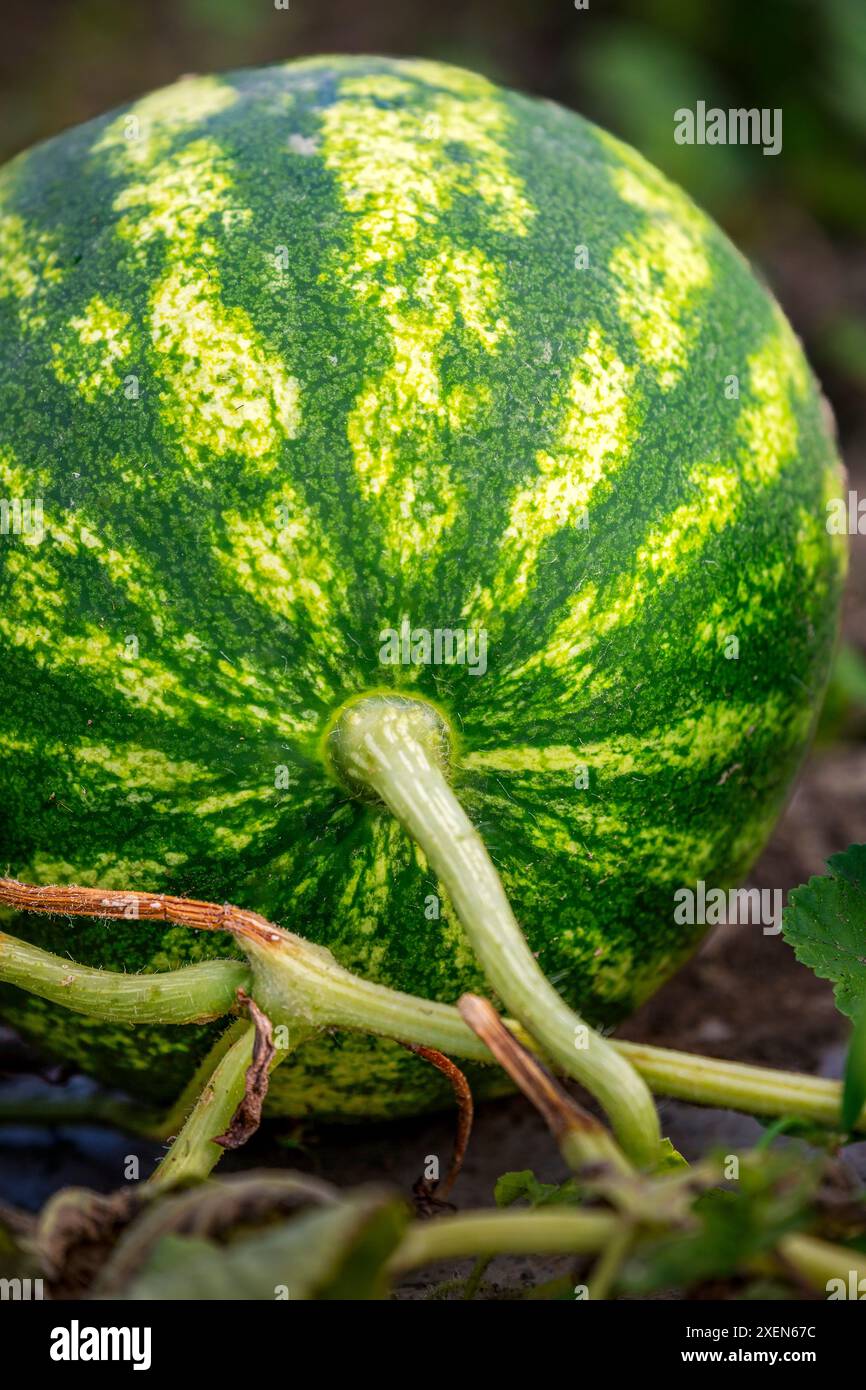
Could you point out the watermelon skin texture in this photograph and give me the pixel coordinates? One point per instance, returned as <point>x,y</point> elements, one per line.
<point>297,354</point>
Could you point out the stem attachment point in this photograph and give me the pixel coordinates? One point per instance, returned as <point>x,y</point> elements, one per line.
<point>362,721</point>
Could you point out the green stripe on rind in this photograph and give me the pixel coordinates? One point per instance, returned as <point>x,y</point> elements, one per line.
<point>302,352</point>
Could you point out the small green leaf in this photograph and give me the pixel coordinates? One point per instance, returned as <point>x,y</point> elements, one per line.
<point>854,1091</point>
<point>670,1160</point>
<point>825,923</point>
<point>524,1186</point>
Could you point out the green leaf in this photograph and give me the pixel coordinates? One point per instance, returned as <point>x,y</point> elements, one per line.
<point>670,1161</point>
<point>335,1252</point>
<point>825,923</point>
<point>854,1091</point>
<point>729,1227</point>
<point>524,1186</point>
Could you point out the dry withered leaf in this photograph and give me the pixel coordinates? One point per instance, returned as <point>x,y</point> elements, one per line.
<point>560,1111</point>
<point>248,1115</point>
<point>77,1231</point>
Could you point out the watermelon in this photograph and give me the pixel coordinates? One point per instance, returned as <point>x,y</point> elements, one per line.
<point>356,375</point>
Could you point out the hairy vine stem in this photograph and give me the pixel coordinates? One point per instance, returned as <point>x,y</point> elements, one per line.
<point>193,1154</point>
<point>294,980</point>
<point>197,1149</point>
<point>193,994</point>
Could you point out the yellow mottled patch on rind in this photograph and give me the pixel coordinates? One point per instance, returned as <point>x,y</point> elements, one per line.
<point>227,395</point>
<point>556,834</point>
<point>365,901</point>
<point>661,854</point>
<point>659,270</point>
<point>616,974</point>
<point>33,599</point>
<point>747,608</point>
<point>183,682</point>
<point>28,266</point>
<point>179,196</point>
<point>768,421</point>
<point>684,531</point>
<point>768,428</point>
<point>145,130</point>
<point>833,482</point>
<point>40,611</point>
<point>95,342</point>
<point>169,692</point>
<point>104,871</point>
<point>666,855</point>
<point>398,178</point>
<point>451,941</point>
<point>397,162</point>
<point>139,769</point>
<point>287,568</point>
<point>13,746</point>
<point>130,571</point>
<point>18,479</point>
<point>260,702</point>
<point>70,533</point>
<point>457,80</point>
<point>593,440</point>
<point>757,592</point>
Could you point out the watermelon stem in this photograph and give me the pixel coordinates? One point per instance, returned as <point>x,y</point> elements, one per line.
<point>739,1086</point>
<point>556,1230</point>
<point>194,994</point>
<point>195,1152</point>
<point>393,746</point>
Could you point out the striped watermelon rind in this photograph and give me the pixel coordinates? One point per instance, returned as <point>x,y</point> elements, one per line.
<point>294,355</point>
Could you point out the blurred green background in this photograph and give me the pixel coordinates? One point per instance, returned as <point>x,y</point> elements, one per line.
<point>626,63</point>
